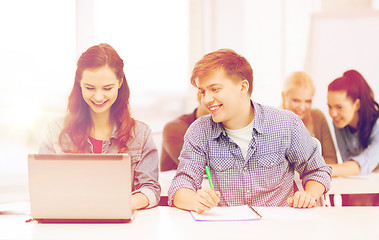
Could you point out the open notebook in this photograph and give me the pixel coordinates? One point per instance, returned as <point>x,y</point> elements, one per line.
<point>237,213</point>
<point>80,187</point>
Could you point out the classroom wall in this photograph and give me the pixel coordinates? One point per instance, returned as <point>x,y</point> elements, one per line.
<point>278,37</point>
<point>339,42</point>
<point>271,34</point>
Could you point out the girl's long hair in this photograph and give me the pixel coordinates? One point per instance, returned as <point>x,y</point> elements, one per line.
<point>78,122</point>
<point>356,87</point>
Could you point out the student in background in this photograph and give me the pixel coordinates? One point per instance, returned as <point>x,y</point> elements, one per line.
<point>252,150</point>
<point>98,120</point>
<point>173,134</point>
<point>355,117</point>
<point>297,97</point>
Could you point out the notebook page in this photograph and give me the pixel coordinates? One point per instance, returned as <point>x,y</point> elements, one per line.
<point>237,213</point>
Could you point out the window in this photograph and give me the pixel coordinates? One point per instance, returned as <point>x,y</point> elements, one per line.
<point>37,68</point>
<point>152,38</point>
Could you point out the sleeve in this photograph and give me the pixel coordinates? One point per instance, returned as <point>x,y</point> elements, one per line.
<point>368,159</point>
<point>327,145</point>
<point>173,138</point>
<point>146,172</point>
<point>191,166</point>
<point>49,141</point>
<point>341,143</point>
<point>306,157</point>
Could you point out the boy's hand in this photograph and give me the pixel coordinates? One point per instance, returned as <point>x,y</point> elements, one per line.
<point>206,199</point>
<point>302,199</point>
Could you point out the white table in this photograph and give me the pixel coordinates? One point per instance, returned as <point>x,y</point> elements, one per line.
<point>354,185</point>
<point>171,223</point>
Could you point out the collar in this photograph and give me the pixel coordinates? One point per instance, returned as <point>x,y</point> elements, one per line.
<point>258,117</point>
<point>114,132</point>
<point>219,129</point>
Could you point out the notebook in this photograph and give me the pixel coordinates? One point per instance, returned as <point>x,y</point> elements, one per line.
<point>235,213</point>
<point>80,188</point>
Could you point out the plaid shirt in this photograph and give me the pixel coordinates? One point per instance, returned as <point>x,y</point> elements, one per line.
<point>279,145</point>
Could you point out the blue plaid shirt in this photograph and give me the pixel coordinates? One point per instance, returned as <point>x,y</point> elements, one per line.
<point>280,144</point>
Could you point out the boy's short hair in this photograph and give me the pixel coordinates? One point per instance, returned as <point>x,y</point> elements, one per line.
<point>234,65</point>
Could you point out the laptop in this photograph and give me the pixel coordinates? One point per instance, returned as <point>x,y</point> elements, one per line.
<point>80,188</point>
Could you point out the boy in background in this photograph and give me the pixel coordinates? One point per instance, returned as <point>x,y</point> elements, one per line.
<point>173,134</point>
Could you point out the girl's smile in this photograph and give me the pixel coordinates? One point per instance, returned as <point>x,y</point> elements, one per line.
<point>100,89</point>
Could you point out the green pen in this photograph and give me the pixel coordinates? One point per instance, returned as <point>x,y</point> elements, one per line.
<point>209,176</point>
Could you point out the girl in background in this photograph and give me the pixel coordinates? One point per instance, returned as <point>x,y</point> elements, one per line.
<point>355,117</point>
<point>297,97</point>
<point>98,120</point>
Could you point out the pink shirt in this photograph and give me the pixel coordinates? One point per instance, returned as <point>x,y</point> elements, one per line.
<point>97,145</point>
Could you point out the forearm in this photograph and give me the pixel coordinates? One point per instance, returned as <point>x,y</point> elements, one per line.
<point>139,200</point>
<point>146,172</point>
<point>315,188</point>
<point>349,168</point>
<point>184,198</point>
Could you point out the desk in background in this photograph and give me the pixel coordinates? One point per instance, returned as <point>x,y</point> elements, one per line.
<point>355,184</point>
<point>171,223</point>
<point>368,184</point>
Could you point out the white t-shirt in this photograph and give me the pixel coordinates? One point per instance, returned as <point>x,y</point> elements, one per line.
<point>242,137</point>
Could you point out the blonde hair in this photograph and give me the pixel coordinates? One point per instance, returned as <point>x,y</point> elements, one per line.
<point>297,80</point>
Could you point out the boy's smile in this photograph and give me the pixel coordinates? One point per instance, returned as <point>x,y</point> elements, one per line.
<point>214,109</point>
